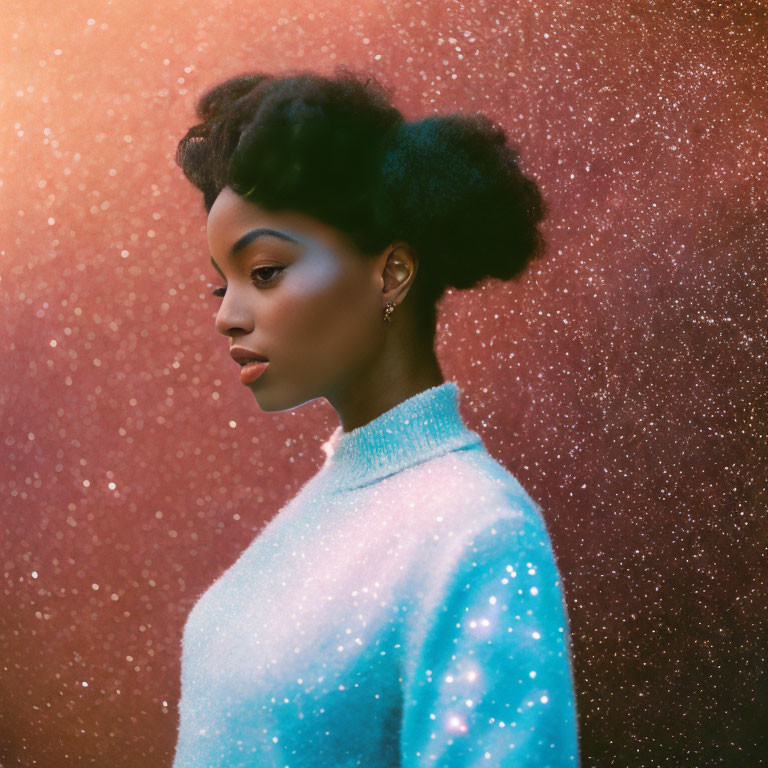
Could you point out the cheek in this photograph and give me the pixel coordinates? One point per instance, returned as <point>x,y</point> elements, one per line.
<point>326,313</point>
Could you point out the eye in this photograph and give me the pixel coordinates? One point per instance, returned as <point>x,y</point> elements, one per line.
<point>261,269</point>
<point>221,290</point>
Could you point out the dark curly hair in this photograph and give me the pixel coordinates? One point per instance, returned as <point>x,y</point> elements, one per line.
<point>335,148</point>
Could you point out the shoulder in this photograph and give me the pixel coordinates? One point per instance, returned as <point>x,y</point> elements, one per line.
<point>464,491</point>
<point>460,508</point>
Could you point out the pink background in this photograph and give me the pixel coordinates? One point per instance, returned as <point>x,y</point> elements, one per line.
<point>623,380</point>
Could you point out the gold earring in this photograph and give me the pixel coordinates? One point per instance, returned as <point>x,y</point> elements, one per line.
<point>388,310</point>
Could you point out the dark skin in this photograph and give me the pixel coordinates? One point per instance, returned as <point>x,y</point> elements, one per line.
<point>315,308</point>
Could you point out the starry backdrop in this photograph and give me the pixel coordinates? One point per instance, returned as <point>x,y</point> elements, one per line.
<point>622,380</point>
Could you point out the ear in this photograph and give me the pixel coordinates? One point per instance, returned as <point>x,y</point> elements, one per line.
<point>398,270</point>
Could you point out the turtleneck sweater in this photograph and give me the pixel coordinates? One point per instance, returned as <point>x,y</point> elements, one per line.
<point>404,609</point>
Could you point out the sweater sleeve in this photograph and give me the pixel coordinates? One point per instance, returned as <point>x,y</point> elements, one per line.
<point>488,669</point>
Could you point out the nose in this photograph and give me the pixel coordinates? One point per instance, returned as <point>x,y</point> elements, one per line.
<point>233,316</point>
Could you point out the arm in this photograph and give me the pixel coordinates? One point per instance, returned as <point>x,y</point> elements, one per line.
<point>488,677</point>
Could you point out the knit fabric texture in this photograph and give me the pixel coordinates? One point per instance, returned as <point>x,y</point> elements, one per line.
<point>403,609</point>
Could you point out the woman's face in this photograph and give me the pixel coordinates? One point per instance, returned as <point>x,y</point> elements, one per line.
<point>303,298</point>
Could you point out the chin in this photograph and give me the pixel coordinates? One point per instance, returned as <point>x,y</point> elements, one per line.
<point>274,402</point>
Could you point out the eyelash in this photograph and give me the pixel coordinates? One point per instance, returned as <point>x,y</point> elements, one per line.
<point>220,291</point>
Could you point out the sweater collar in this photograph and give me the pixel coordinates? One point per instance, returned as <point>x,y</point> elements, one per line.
<point>423,426</point>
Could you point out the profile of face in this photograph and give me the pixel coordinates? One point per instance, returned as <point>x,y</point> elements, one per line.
<point>296,292</point>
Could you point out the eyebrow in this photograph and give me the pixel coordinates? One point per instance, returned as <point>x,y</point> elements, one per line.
<point>254,234</point>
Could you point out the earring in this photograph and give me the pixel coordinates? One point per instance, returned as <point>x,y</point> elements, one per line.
<point>388,310</point>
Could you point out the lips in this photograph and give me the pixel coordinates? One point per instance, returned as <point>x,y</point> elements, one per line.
<point>252,363</point>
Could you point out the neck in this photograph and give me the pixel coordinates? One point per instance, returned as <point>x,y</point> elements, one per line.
<point>382,389</point>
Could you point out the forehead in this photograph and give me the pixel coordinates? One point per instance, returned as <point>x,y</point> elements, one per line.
<point>228,209</point>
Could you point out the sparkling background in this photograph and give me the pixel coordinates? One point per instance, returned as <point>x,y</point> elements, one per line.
<point>623,380</point>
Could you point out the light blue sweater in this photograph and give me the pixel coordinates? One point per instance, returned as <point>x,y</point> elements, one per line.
<point>404,609</point>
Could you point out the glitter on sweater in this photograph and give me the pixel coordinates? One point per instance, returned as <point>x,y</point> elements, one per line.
<point>403,609</point>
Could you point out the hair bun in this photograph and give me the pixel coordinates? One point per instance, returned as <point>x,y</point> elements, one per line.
<point>453,185</point>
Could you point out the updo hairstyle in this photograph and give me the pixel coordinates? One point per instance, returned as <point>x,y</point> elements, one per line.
<point>335,148</point>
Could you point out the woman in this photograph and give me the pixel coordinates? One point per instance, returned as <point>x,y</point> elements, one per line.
<point>405,608</point>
